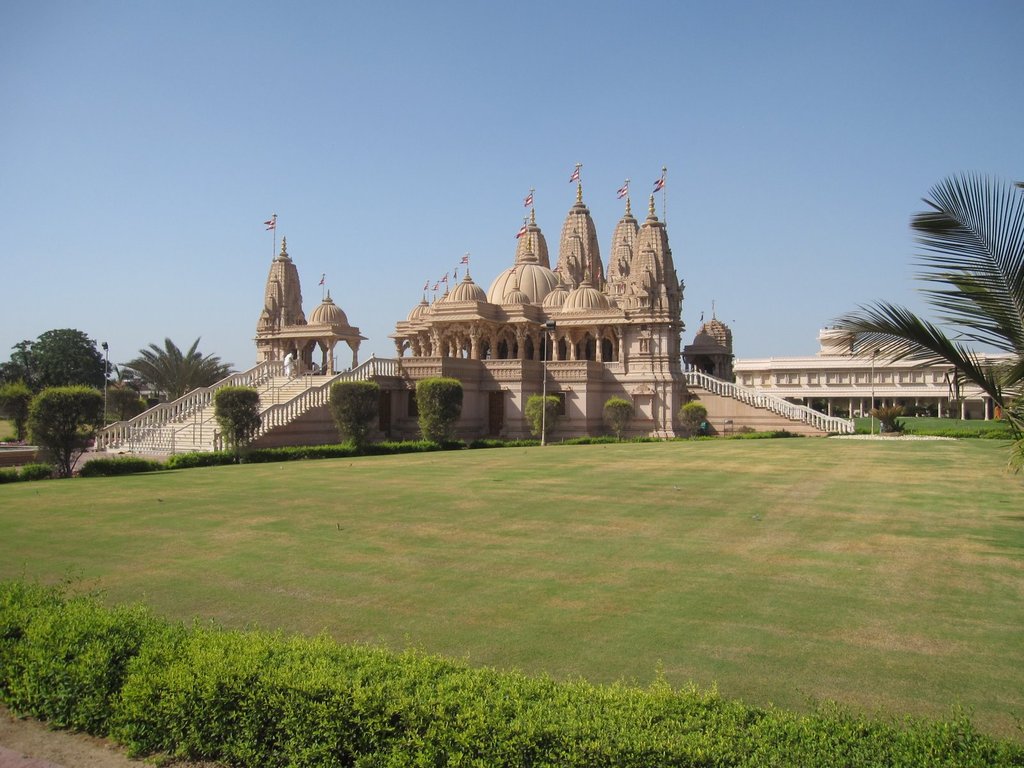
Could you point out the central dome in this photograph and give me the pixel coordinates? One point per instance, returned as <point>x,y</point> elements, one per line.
<point>533,280</point>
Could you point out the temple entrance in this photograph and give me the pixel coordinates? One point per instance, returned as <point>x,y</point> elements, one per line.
<point>495,413</point>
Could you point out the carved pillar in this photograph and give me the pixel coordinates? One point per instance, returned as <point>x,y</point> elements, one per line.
<point>474,343</point>
<point>521,342</point>
<point>598,345</point>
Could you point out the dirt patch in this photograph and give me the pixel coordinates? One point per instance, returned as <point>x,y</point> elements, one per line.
<point>26,743</point>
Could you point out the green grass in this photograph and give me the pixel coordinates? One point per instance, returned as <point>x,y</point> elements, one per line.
<point>930,425</point>
<point>888,576</point>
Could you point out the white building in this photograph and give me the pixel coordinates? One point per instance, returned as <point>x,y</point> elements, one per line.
<point>837,382</point>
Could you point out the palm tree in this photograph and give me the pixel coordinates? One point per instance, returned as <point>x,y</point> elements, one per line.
<point>973,262</point>
<point>172,374</point>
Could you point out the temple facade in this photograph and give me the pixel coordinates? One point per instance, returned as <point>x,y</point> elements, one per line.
<point>581,330</point>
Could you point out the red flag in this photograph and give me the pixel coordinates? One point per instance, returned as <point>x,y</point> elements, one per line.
<point>426,286</point>
<point>623,190</point>
<point>271,223</point>
<point>455,275</point>
<point>445,278</point>
<point>528,200</point>
<point>465,259</point>
<point>521,232</point>
<point>322,276</point>
<point>575,174</point>
<point>437,286</point>
<point>660,183</point>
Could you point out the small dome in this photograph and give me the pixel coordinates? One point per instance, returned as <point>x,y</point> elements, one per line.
<point>467,290</point>
<point>585,298</point>
<point>328,313</point>
<point>515,296</point>
<point>417,312</point>
<point>556,298</point>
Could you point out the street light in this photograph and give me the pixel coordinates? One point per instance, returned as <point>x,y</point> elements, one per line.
<point>550,328</point>
<point>874,354</point>
<point>106,371</point>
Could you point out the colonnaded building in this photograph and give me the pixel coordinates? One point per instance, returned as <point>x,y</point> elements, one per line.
<point>579,328</point>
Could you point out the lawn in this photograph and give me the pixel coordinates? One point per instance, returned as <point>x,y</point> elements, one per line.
<point>889,576</point>
<point>930,425</point>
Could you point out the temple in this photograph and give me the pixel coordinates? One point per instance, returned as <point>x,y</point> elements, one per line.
<point>577,331</point>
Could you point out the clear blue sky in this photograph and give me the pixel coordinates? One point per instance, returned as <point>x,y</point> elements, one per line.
<point>143,143</point>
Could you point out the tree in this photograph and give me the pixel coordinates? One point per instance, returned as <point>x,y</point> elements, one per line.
<point>691,418</point>
<point>439,401</point>
<point>123,402</point>
<point>59,358</point>
<point>617,414</point>
<point>237,410</point>
<point>15,398</point>
<point>172,373</point>
<point>972,261</point>
<point>536,418</point>
<point>62,421</point>
<point>354,407</point>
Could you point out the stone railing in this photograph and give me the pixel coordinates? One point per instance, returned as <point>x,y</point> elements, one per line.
<point>315,396</point>
<point>771,403</point>
<point>154,430</point>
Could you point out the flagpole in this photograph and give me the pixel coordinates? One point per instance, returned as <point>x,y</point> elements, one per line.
<point>664,194</point>
<point>273,255</point>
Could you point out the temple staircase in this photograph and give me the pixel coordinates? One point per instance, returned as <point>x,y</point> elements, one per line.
<point>188,424</point>
<point>730,405</point>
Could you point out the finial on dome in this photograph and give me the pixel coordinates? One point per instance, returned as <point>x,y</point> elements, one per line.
<point>284,247</point>
<point>533,216</point>
<point>650,207</point>
<point>328,299</point>
<point>579,192</point>
<point>629,207</point>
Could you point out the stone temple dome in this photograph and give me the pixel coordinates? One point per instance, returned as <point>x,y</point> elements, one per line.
<point>718,331</point>
<point>533,280</point>
<point>516,296</point>
<point>467,290</point>
<point>328,313</point>
<point>584,299</point>
<point>556,298</point>
<point>417,312</point>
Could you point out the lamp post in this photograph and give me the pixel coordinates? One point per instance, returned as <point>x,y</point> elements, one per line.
<point>106,374</point>
<point>549,327</point>
<point>874,354</point>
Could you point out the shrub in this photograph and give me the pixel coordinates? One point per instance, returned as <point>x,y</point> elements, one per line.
<point>237,410</point>
<point>200,459</point>
<point>255,698</point>
<point>354,406</point>
<point>62,421</point>
<point>15,398</point>
<point>691,416</point>
<point>120,465</point>
<point>439,401</point>
<point>36,472</point>
<point>542,414</point>
<point>888,418</point>
<point>617,415</point>
<point>8,475</point>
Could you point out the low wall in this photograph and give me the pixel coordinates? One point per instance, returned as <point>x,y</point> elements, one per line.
<point>16,457</point>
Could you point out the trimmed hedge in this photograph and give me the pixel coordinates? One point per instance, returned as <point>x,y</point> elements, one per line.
<point>121,465</point>
<point>261,699</point>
